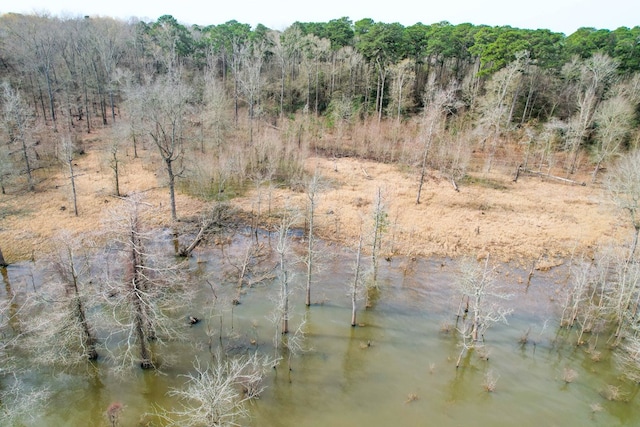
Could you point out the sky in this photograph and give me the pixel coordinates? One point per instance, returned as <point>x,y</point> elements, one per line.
<point>563,16</point>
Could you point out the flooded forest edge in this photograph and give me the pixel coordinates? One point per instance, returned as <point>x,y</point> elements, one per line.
<point>188,213</point>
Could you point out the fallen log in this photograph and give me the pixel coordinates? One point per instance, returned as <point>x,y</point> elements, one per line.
<point>557,178</point>
<point>217,218</point>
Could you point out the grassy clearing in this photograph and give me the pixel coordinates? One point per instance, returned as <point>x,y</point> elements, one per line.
<point>530,219</point>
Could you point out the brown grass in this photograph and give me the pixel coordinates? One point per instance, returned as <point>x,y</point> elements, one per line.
<point>533,219</point>
<point>32,219</point>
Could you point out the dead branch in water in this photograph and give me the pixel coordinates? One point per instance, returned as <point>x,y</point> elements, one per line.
<point>217,219</point>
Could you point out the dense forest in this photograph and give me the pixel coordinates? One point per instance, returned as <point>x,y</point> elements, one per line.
<point>478,85</point>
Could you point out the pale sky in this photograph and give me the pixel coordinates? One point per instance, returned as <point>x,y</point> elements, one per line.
<point>563,16</point>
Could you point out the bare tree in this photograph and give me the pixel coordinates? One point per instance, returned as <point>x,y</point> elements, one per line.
<point>6,168</point>
<point>252,59</point>
<point>343,114</point>
<point>214,112</point>
<point>216,395</point>
<point>478,286</point>
<point>283,249</point>
<point>402,76</point>
<point>313,186</point>
<point>495,105</point>
<point>623,297</point>
<point>593,76</point>
<point>355,284</point>
<point>146,293</point>
<point>623,184</point>
<point>18,124</point>
<point>59,329</point>
<point>314,51</point>
<point>134,105</point>
<point>165,117</point>
<point>37,40</point>
<point>613,119</point>
<point>576,294</point>
<point>66,155</point>
<point>108,39</point>
<point>19,401</point>
<point>286,47</point>
<point>380,224</point>
<point>436,102</point>
<point>115,164</point>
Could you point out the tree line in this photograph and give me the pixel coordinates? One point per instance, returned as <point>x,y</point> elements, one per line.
<point>71,68</point>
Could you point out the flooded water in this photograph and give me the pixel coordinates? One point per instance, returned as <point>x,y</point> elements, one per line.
<point>397,367</point>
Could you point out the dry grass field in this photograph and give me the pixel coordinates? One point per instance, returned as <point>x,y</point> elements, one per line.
<point>533,219</point>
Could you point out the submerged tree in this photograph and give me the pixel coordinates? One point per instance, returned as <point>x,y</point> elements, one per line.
<point>216,395</point>
<point>313,186</point>
<point>60,330</point>
<point>283,249</point>
<point>478,287</point>
<point>355,284</point>
<point>283,340</point>
<point>380,223</point>
<point>145,293</point>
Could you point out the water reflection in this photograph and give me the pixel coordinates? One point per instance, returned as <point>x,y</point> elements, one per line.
<point>397,368</point>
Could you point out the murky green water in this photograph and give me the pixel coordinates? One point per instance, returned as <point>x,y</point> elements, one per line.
<point>396,369</point>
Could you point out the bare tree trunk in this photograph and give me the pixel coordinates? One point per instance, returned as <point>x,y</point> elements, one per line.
<point>380,222</point>
<point>27,164</point>
<point>282,249</point>
<point>115,167</point>
<point>88,337</point>
<point>113,108</point>
<point>143,324</point>
<point>425,155</point>
<point>66,156</point>
<point>285,307</point>
<point>51,101</point>
<point>145,354</point>
<point>73,187</point>
<point>3,263</point>
<point>634,244</point>
<point>86,103</point>
<point>172,188</point>
<point>356,279</point>
<point>311,195</point>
